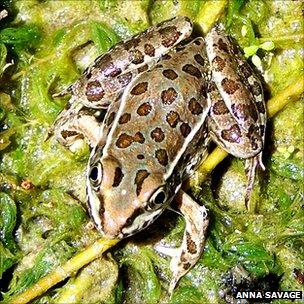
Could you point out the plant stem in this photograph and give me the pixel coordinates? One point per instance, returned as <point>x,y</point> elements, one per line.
<point>274,105</point>
<point>209,13</point>
<point>62,272</point>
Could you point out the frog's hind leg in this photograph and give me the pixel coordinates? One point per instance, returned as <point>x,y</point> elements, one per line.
<point>237,116</point>
<point>186,256</point>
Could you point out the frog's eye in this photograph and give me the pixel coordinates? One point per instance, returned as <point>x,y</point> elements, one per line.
<point>95,175</point>
<point>158,198</point>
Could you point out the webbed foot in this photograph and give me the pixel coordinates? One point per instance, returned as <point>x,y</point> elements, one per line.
<point>186,256</point>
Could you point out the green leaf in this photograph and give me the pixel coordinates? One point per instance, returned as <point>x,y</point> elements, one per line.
<point>8,213</point>
<point>233,9</point>
<point>7,259</point>
<point>23,37</point>
<point>3,54</point>
<point>103,36</point>
<point>267,46</point>
<point>250,50</point>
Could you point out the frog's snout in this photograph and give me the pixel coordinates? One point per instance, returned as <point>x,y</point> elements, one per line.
<point>110,204</point>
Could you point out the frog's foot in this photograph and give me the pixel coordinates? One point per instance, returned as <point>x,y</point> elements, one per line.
<point>74,124</point>
<point>251,165</point>
<point>66,115</point>
<point>186,256</point>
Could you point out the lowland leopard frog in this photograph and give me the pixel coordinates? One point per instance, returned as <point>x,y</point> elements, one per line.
<point>165,100</point>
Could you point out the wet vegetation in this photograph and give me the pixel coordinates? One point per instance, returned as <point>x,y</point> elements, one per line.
<point>44,47</point>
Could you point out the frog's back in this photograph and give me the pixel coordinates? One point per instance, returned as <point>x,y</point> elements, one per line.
<point>160,112</point>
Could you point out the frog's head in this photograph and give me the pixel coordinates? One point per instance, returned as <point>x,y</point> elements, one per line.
<point>121,201</point>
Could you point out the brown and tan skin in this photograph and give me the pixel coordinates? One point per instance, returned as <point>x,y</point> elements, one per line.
<point>164,101</point>
<point>237,119</point>
<point>149,129</point>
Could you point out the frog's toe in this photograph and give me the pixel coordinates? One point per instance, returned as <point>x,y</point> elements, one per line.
<point>168,251</point>
<point>251,165</point>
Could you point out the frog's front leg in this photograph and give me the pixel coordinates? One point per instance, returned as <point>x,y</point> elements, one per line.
<point>186,256</point>
<point>237,115</point>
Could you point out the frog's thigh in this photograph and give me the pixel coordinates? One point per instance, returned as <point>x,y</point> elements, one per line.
<point>193,243</point>
<point>113,71</point>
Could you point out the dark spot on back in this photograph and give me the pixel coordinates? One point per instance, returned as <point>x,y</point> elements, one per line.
<point>180,48</point>
<point>124,118</point>
<point>245,70</point>
<point>256,89</point>
<point>141,175</point>
<point>157,134</point>
<point>194,107</point>
<point>192,70</point>
<point>262,130</point>
<point>106,66</point>
<point>185,129</point>
<point>172,119</point>
<point>169,35</point>
<point>139,88</point>
<point>243,112</point>
<point>168,96</point>
<point>162,157</point>
<point>125,79</point>
<point>94,91</point>
<point>261,107</point>
<point>132,43</point>
<point>223,46</point>
<point>165,57</point>
<point>138,137</point>
<point>211,87</point>
<point>204,90</point>
<point>117,177</point>
<point>229,86</point>
<point>232,135</point>
<point>149,50</point>
<point>199,59</point>
<point>110,118</point>
<point>186,266</point>
<point>143,68</point>
<point>140,156</point>
<point>103,62</point>
<point>170,74</point>
<point>220,108</point>
<point>191,246</point>
<point>218,63</point>
<point>114,71</point>
<point>144,109</point>
<point>136,56</point>
<point>124,140</point>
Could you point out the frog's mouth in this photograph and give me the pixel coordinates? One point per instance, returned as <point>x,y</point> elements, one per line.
<point>142,219</point>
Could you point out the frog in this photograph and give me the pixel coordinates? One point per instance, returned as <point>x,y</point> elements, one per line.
<point>149,108</point>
